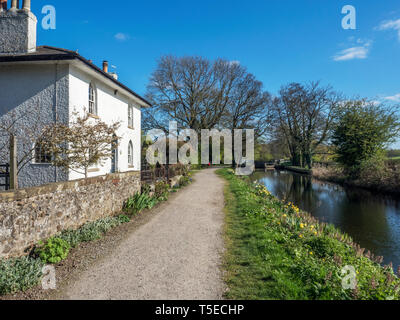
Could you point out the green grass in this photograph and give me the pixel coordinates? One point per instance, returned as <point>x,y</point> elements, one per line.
<point>275,251</point>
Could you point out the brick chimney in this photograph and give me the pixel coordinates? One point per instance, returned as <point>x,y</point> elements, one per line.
<point>17,28</point>
<point>105,66</point>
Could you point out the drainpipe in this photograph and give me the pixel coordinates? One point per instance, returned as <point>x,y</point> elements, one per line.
<point>56,110</point>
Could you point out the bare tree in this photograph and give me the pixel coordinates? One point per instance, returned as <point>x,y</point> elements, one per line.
<point>81,144</point>
<point>193,91</point>
<point>249,106</point>
<point>202,94</point>
<point>303,115</point>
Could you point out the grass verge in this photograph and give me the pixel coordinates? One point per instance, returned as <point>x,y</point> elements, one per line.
<point>276,251</point>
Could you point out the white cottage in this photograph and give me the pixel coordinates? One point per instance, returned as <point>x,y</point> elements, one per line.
<point>60,82</point>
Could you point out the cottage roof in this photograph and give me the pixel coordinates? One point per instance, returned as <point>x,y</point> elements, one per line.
<point>47,53</point>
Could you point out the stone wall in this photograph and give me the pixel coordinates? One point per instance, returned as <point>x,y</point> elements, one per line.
<point>30,215</point>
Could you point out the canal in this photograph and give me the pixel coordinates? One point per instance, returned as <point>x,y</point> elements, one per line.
<point>371,220</point>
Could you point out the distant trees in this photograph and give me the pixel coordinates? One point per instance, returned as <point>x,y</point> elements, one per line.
<point>201,94</point>
<point>303,115</point>
<point>362,131</point>
<point>192,91</point>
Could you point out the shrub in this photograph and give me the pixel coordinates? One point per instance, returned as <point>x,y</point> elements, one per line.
<point>53,250</point>
<point>19,274</point>
<point>161,190</point>
<point>184,181</point>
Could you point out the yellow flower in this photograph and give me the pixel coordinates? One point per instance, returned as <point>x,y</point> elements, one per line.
<point>300,236</point>
<point>301,225</point>
<point>311,252</point>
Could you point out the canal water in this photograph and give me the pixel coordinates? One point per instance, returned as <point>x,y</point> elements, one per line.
<point>372,220</point>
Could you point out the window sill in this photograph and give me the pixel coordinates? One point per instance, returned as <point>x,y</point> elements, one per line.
<point>132,128</point>
<point>93,170</point>
<point>93,116</point>
<point>131,167</point>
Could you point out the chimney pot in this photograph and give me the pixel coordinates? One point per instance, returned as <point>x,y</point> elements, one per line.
<point>14,5</point>
<point>105,66</point>
<point>3,5</point>
<point>27,5</point>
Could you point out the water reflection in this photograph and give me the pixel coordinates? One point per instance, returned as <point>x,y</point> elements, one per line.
<point>372,220</point>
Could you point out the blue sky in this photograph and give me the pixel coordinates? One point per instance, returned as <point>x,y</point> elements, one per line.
<point>280,41</point>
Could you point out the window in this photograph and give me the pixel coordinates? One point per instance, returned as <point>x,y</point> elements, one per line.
<point>92,99</point>
<point>42,155</point>
<point>130,116</point>
<point>130,154</point>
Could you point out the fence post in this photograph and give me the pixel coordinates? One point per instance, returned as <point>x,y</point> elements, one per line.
<point>13,163</point>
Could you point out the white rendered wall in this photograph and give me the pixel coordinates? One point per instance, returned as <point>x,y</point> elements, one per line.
<point>111,108</point>
<point>33,92</point>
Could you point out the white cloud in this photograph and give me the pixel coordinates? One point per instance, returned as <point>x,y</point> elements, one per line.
<point>359,50</point>
<point>352,53</point>
<point>390,25</point>
<point>122,36</point>
<point>395,98</point>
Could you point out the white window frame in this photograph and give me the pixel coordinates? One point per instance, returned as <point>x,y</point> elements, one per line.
<point>130,154</point>
<point>41,156</point>
<point>92,99</point>
<point>130,116</point>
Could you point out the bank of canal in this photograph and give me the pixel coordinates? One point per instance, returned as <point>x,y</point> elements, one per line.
<point>371,220</point>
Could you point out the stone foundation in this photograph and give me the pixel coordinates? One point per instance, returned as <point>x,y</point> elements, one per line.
<point>30,215</point>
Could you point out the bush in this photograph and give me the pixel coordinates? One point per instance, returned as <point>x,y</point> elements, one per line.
<point>53,250</point>
<point>161,190</point>
<point>184,181</point>
<point>19,274</point>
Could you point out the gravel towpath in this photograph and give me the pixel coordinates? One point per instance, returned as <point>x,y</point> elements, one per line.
<point>175,255</point>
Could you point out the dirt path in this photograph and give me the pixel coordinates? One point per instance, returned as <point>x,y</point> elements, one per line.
<point>176,255</point>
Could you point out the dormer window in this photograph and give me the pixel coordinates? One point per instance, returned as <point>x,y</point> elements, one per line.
<point>130,116</point>
<point>92,99</point>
